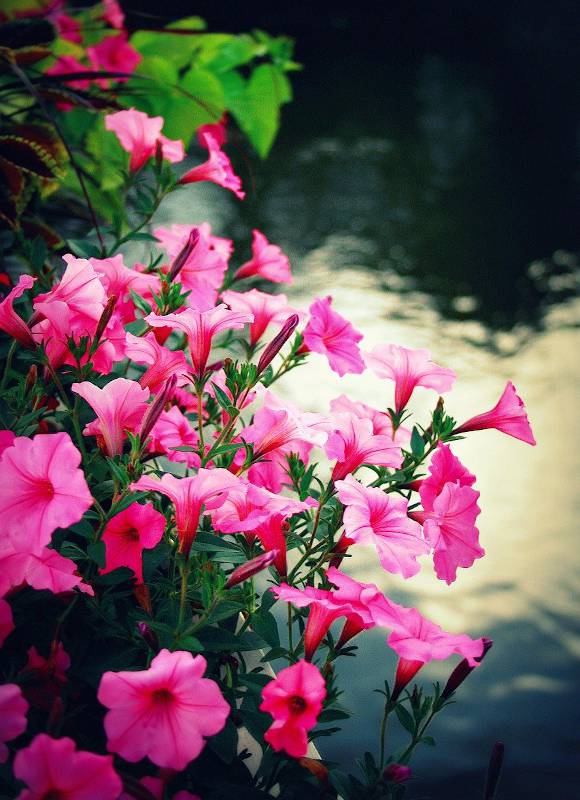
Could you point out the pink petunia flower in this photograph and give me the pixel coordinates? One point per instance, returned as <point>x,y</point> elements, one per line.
<point>119,407</point>
<point>444,468</point>
<point>127,534</point>
<point>163,712</point>
<point>113,54</point>
<point>382,423</point>
<point>217,169</point>
<point>200,328</point>
<point>207,490</point>
<point>10,322</point>
<point>43,678</point>
<point>408,368</point>
<point>508,416</point>
<point>6,439</point>
<point>79,295</point>
<point>6,620</point>
<point>267,309</point>
<point>268,261</point>
<point>55,768</point>
<point>248,506</point>
<point>46,569</point>
<point>372,517</point>
<point>171,430</point>
<point>42,488</point>
<point>139,134</point>
<point>68,28</point>
<point>294,699</point>
<point>329,333</point>
<point>161,362</point>
<point>174,237</point>
<point>354,444</point>
<point>119,280</point>
<point>250,568</point>
<point>113,14</point>
<point>13,708</point>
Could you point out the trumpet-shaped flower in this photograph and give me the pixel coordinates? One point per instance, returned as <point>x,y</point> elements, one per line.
<point>249,506</point>
<point>266,309</point>
<point>79,292</point>
<point>294,699</point>
<point>163,712</point>
<point>119,407</point>
<point>54,768</point>
<point>42,488</point>
<point>508,416</point>
<point>409,369</point>
<point>374,518</point>
<point>444,468</point>
<point>13,708</point>
<point>6,620</point>
<point>127,534</point>
<point>172,430</point>
<point>175,236</point>
<point>382,423</point>
<point>10,322</point>
<point>329,333</point>
<point>161,362</point>
<point>139,134</point>
<point>113,54</point>
<point>119,280</point>
<point>354,444</point>
<point>268,261</point>
<point>207,490</point>
<point>217,169</point>
<point>46,569</point>
<point>200,328</point>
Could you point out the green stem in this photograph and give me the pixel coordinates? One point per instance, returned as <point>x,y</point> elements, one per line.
<point>8,364</point>
<point>183,595</point>
<point>388,708</point>
<point>290,644</point>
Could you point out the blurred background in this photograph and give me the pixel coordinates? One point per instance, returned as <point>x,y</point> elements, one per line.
<point>426,175</point>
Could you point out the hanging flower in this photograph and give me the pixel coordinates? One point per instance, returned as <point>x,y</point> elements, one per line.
<point>127,534</point>
<point>217,169</point>
<point>268,262</point>
<point>508,416</point>
<point>329,333</point>
<point>161,362</point>
<point>163,712</point>
<point>10,322</point>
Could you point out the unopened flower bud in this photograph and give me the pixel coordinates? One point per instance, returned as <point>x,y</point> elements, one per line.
<point>251,568</point>
<point>494,770</point>
<point>277,343</point>
<point>104,320</point>
<point>148,635</point>
<point>183,255</point>
<point>406,671</point>
<point>397,773</point>
<point>462,670</point>
<point>154,411</point>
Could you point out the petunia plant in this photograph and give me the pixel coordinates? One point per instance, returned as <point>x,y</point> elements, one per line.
<point>176,588</point>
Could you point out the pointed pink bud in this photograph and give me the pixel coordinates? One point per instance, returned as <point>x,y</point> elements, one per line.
<point>154,410</point>
<point>397,773</point>
<point>251,568</point>
<point>462,670</point>
<point>104,320</point>
<point>277,343</point>
<point>183,255</point>
<point>406,671</point>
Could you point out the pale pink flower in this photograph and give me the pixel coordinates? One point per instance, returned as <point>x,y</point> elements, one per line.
<point>444,468</point>
<point>119,407</point>
<point>41,488</point>
<point>6,620</point>
<point>374,518</point>
<point>329,333</point>
<point>163,712</point>
<point>217,169</point>
<point>171,430</point>
<point>266,309</point>
<point>113,13</point>
<point>113,54</point>
<point>127,534</point>
<point>13,722</point>
<point>408,368</point>
<point>46,569</point>
<point>174,237</point>
<point>53,768</point>
<point>79,293</point>
<point>508,416</point>
<point>248,506</point>
<point>162,362</point>
<point>294,699</point>
<point>207,490</point>
<point>382,423</point>
<point>10,322</point>
<point>119,280</point>
<point>138,134</point>
<point>200,328</point>
<point>268,261</point>
<point>354,444</point>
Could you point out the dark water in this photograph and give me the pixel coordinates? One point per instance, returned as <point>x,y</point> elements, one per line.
<point>426,175</point>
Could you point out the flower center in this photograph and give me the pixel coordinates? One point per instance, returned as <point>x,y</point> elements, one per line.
<point>45,488</point>
<point>162,697</point>
<point>52,794</point>
<point>297,704</point>
<point>132,534</point>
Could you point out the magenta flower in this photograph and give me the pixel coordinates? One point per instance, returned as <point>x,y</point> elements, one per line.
<point>200,328</point>
<point>41,488</point>
<point>113,14</point>
<point>397,773</point>
<point>294,699</point>
<point>127,534</point>
<point>175,236</point>
<point>207,490</point>
<point>374,518</point>
<point>508,416</point>
<point>266,309</point>
<point>268,261</point>
<point>119,280</point>
<point>119,407</point>
<point>138,134</point>
<point>54,768</point>
<point>6,620</point>
<point>13,708</point>
<point>46,569</point>
<point>171,430</point>
<point>163,712</point>
<point>333,336</point>
<point>248,506</point>
<point>382,423</point>
<point>68,29</point>
<point>217,169</point>
<point>444,468</point>
<point>113,54</point>
<point>408,368</point>
<point>6,439</point>
<point>79,296</point>
<point>354,444</point>
<point>161,362</point>
<point>10,322</point>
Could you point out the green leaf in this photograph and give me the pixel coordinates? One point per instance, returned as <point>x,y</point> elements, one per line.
<point>220,640</point>
<point>428,740</point>
<point>417,444</point>
<point>265,625</point>
<point>233,53</point>
<point>190,643</point>
<point>259,117</point>
<point>225,743</point>
<point>201,100</point>
<point>83,248</point>
<point>225,610</point>
<point>405,718</point>
<point>97,552</point>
